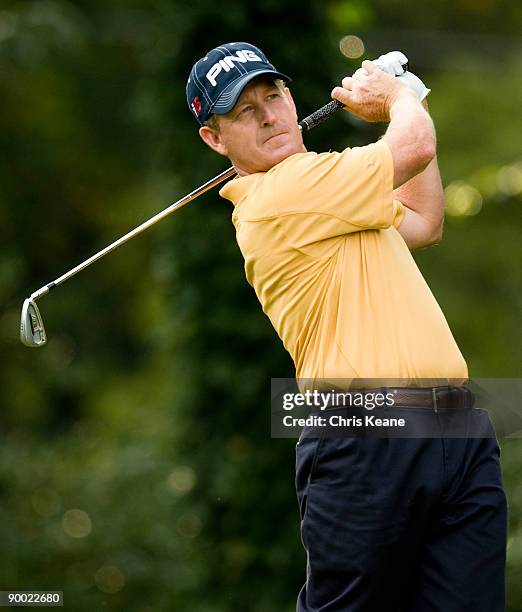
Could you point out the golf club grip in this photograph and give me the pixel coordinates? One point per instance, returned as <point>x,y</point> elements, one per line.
<point>320,115</point>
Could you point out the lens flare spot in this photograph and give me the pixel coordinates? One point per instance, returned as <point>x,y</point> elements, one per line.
<point>182,479</point>
<point>188,526</point>
<point>509,179</point>
<point>109,579</point>
<point>351,46</point>
<point>462,199</point>
<point>76,523</point>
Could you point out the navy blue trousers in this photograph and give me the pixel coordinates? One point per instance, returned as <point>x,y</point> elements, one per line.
<point>403,524</point>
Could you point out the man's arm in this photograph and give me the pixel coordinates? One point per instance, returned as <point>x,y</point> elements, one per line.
<point>376,96</point>
<point>423,199</point>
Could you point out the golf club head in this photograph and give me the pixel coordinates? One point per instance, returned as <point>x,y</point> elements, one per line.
<point>32,331</point>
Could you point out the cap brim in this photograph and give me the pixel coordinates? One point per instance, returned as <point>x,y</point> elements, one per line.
<point>228,98</point>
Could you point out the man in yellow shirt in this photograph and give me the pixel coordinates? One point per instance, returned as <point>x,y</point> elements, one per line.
<point>387,523</point>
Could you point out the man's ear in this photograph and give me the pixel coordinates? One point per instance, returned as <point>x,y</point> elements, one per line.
<point>213,140</point>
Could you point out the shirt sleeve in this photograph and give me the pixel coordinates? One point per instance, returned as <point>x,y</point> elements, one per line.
<point>320,196</point>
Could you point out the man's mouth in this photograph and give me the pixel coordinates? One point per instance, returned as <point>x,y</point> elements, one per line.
<point>274,136</point>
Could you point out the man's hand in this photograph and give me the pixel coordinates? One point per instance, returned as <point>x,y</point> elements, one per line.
<point>370,92</point>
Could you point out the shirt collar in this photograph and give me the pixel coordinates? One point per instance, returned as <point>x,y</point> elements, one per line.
<point>236,189</point>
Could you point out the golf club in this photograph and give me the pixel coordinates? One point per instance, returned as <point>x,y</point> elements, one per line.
<point>32,331</point>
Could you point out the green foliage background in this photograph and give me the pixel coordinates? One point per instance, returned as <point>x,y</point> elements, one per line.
<point>136,466</point>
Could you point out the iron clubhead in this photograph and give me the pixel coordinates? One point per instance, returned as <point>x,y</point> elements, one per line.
<point>32,331</point>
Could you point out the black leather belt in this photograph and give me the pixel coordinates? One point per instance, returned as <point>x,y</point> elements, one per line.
<point>434,398</point>
<point>437,398</point>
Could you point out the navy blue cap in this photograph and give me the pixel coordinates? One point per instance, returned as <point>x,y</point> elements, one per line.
<point>217,80</point>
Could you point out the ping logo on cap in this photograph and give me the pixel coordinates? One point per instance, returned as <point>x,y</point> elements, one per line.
<point>227,63</point>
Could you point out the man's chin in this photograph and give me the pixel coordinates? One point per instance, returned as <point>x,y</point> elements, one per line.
<point>280,154</point>
<point>268,160</point>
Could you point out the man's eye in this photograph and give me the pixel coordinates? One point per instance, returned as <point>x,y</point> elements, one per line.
<point>246,109</point>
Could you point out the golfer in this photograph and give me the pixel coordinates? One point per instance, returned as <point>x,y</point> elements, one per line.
<point>413,524</point>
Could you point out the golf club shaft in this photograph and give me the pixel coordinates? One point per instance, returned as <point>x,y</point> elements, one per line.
<point>137,230</point>
<point>306,124</point>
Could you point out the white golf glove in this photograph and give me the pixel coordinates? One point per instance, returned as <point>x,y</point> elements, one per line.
<point>414,83</point>
<point>394,63</point>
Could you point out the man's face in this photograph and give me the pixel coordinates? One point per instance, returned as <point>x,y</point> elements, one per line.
<point>260,131</point>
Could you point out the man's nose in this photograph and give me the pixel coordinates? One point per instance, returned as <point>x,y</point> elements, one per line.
<point>267,115</point>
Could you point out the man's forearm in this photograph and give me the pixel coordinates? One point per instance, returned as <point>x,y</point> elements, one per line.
<point>410,136</point>
<point>424,195</point>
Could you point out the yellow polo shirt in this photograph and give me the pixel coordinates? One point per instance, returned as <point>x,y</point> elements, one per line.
<point>333,274</point>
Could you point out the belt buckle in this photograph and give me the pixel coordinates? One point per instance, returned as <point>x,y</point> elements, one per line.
<point>469,398</point>
<point>434,397</point>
